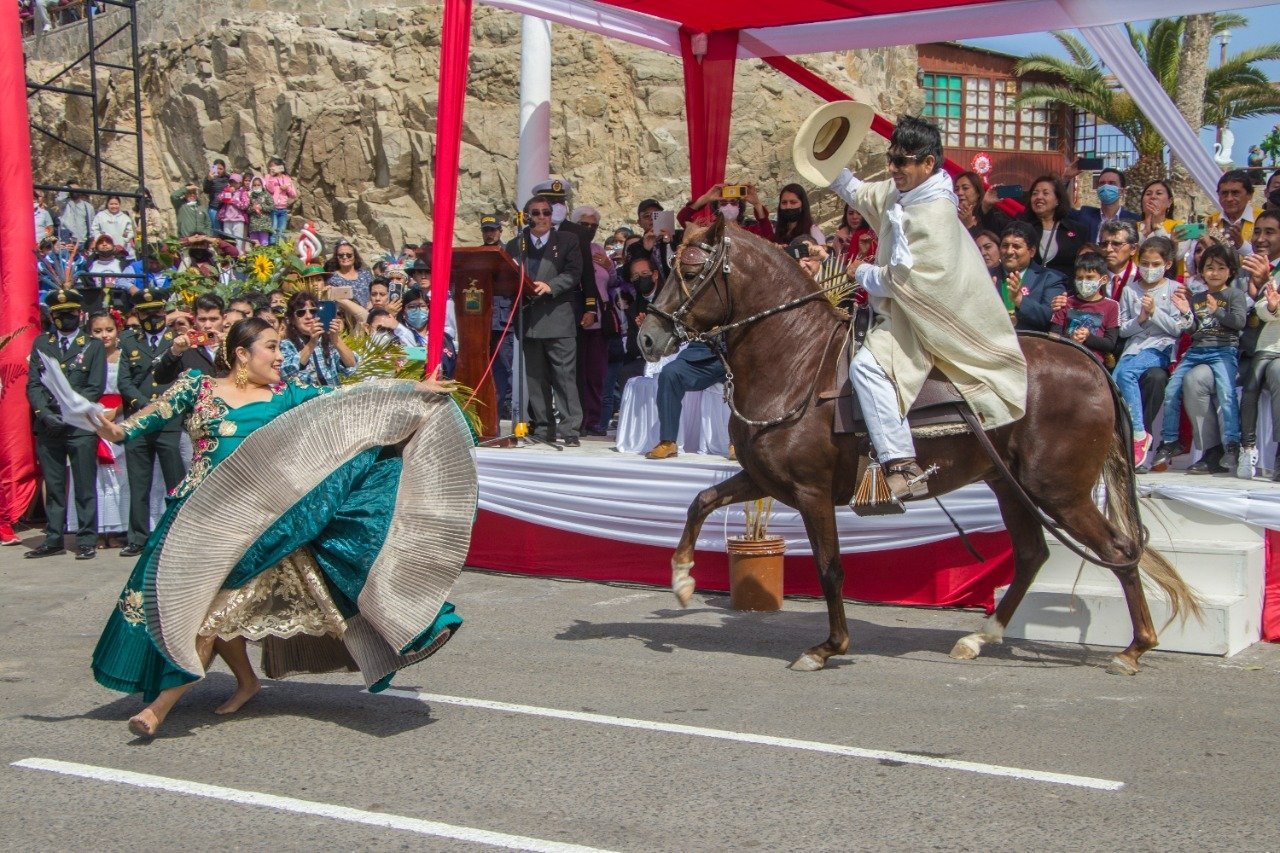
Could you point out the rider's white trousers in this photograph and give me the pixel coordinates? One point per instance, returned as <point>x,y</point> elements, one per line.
<point>889,432</point>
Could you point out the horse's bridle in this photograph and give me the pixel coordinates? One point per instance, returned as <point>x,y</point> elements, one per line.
<point>713,259</point>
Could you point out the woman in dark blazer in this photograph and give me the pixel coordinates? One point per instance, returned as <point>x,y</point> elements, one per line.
<point>1059,236</point>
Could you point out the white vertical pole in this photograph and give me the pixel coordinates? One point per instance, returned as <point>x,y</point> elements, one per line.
<point>535,106</point>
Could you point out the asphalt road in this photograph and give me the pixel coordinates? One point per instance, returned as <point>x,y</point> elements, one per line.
<point>1190,744</point>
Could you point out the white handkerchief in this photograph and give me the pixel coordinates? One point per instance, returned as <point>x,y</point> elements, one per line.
<point>75,408</point>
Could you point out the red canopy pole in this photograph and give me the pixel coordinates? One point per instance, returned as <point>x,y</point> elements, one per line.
<point>19,293</point>
<point>455,51</point>
<point>708,92</point>
<point>879,124</point>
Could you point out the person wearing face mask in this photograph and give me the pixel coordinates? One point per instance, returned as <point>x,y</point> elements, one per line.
<point>560,192</point>
<point>1219,312</point>
<point>83,361</point>
<point>1088,317</point>
<point>139,353</point>
<point>795,218</point>
<point>598,326</point>
<point>1110,189</point>
<point>1154,312</point>
<point>412,327</point>
<point>714,202</point>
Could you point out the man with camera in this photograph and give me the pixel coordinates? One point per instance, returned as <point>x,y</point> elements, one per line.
<point>552,262</point>
<point>196,349</point>
<point>139,353</point>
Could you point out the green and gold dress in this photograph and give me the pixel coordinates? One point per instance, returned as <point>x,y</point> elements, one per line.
<point>327,523</point>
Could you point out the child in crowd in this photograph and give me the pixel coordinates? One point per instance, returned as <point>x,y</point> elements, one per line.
<point>1262,372</point>
<point>233,210</point>
<point>1154,312</point>
<point>259,212</point>
<point>1089,318</point>
<point>1219,315</point>
<point>283,192</point>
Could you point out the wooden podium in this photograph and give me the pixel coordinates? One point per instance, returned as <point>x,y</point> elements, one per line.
<point>479,274</point>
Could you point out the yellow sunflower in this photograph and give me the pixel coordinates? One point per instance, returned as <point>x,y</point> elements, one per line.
<point>263,268</point>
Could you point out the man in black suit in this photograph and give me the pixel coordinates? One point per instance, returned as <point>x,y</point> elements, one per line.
<point>182,354</point>
<point>553,262</point>
<point>139,352</point>
<point>84,363</point>
<point>560,192</point>
<point>1028,288</point>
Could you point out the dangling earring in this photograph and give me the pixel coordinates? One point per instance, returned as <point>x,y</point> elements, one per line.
<point>242,377</point>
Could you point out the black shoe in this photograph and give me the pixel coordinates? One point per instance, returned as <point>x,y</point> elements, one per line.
<point>130,550</point>
<point>596,431</point>
<point>573,441</point>
<point>1208,464</point>
<point>1165,454</point>
<point>1230,460</point>
<point>48,549</point>
<point>86,552</point>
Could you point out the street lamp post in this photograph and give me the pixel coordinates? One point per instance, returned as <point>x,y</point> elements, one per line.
<point>1224,39</point>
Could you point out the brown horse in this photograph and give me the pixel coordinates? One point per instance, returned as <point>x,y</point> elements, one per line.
<point>1074,433</point>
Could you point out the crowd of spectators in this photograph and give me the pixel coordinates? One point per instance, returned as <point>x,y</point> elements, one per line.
<point>1178,311</point>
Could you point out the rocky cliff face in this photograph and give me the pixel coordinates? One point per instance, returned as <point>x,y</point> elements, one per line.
<point>348,100</point>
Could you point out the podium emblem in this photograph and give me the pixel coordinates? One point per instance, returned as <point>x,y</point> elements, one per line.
<point>473,299</point>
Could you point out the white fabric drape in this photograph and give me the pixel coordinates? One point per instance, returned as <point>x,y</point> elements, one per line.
<point>644,502</point>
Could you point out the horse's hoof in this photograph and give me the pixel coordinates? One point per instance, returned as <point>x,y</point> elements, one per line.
<point>1119,666</point>
<point>683,589</point>
<point>966,648</point>
<point>807,663</point>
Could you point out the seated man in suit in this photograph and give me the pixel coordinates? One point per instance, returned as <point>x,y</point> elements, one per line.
<point>182,355</point>
<point>1027,288</point>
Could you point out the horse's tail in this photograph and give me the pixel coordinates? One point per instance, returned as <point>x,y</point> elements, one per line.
<point>1121,484</point>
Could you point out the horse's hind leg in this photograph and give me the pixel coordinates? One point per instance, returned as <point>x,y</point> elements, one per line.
<point>820,522</point>
<point>1029,554</point>
<point>1092,529</point>
<point>739,487</point>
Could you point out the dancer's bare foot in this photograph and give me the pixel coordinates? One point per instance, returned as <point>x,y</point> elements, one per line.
<point>243,694</point>
<point>145,723</point>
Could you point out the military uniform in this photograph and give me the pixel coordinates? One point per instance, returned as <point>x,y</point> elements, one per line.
<point>139,352</point>
<point>84,362</point>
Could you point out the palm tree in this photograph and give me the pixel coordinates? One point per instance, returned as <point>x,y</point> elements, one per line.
<point>1235,89</point>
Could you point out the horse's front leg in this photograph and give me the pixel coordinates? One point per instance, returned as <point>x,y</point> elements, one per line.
<point>739,487</point>
<point>820,521</point>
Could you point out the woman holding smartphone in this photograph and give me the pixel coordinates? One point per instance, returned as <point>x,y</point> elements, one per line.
<point>314,353</point>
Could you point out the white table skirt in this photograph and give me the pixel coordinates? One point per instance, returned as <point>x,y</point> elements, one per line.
<point>704,419</point>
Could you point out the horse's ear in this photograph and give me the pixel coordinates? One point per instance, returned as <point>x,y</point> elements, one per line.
<point>715,232</point>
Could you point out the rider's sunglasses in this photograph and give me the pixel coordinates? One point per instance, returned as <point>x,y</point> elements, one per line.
<point>899,161</point>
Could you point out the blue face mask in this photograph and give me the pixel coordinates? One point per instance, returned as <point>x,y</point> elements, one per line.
<point>417,317</point>
<point>1108,194</point>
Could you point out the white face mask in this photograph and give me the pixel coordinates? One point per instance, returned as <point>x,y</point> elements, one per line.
<point>1086,288</point>
<point>1152,274</point>
<point>729,211</point>
<point>558,213</point>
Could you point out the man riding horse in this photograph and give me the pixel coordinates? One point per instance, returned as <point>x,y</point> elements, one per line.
<point>933,299</point>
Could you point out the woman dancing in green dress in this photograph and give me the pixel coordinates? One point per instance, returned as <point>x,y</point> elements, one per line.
<point>328,524</point>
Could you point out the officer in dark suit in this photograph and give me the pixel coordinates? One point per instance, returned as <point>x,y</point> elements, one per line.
<point>182,355</point>
<point>553,262</point>
<point>84,362</point>
<point>560,192</point>
<point>139,352</point>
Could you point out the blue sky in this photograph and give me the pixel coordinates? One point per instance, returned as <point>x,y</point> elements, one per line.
<point>1264,26</point>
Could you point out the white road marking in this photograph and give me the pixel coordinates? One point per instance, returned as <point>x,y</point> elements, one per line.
<point>769,740</point>
<point>308,807</point>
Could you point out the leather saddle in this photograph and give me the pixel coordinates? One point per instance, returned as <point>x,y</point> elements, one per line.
<point>938,403</point>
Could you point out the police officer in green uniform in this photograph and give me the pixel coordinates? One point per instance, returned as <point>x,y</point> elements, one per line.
<point>139,351</point>
<point>84,362</point>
